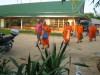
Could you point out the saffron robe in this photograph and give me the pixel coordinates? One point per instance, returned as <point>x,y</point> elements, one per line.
<point>94,31</point>
<point>90,33</point>
<point>66,33</point>
<point>47,29</point>
<point>79,31</point>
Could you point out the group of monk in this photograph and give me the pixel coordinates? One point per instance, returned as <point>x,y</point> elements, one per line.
<point>78,29</point>
<point>68,30</point>
<point>42,29</point>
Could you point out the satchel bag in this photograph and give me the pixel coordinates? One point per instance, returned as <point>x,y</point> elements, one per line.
<point>45,35</point>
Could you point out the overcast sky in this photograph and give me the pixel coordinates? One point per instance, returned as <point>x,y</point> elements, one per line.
<point>88,5</point>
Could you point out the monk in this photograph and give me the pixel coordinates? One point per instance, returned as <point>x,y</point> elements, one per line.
<point>45,28</point>
<point>90,32</point>
<point>72,24</point>
<point>94,32</point>
<point>66,32</point>
<point>79,31</point>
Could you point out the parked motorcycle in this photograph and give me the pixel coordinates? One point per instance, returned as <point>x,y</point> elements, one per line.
<point>6,42</point>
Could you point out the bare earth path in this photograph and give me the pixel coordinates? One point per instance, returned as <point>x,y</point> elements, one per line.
<point>88,52</point>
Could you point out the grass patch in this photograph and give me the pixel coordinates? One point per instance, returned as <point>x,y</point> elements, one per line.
<point>56,34</point>
<point>27,31</point>
<point>7,31</point>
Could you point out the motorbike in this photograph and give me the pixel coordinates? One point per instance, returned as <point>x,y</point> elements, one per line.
<point>6,42</point>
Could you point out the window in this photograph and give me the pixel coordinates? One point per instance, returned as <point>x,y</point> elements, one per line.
<point>58,23</point>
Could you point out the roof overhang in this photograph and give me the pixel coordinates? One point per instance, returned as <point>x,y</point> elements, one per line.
<point>41,9</point>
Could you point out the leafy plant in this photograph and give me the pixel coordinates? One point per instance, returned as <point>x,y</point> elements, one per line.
<point>52,61</point>
<point>4,68</point>
<point>30,68</point>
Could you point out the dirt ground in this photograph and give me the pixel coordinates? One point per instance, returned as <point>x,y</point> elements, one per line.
<point>87,52</point>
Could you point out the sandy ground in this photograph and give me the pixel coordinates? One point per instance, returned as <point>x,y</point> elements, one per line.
<point>88,52</point>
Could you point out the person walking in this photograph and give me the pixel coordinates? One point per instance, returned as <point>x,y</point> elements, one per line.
<point>67,32</point>
<point>94,32</point>
<point>79,32</point>
<point>90,32</point>
<point>38,31</point>
<point>46,30</point>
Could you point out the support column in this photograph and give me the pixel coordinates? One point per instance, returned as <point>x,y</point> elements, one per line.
<point>2,23</point>
<point>21,24</point>
<point>58,24</point>
<point>63,23</point>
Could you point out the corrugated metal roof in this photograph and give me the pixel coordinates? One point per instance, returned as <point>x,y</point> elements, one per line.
<point>40,8</point>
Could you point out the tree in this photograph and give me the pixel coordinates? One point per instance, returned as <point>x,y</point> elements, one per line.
<point>97,4</point>
<point>89,15</point>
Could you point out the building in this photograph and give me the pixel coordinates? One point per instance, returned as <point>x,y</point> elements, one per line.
<point>97,23</point>
<point>54,13</point>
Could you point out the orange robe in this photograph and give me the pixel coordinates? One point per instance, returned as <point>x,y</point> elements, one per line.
<point>65,33</point>
<point>45,41</point>
<point>90,33</point>
<point>94,31</point>
<point>79,31</point>
<point>73,27</point>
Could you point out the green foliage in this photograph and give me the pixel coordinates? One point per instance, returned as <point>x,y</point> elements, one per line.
<point>29,68</point>
<point>27,31</point>
<point>12,21</point>
<point>97,4</point>
<point>89,15</point>
<point>56,34</point>
<point>52,61</point>
<point>7,31</point>
<point>4,68</point>
<point>81,64</point>
<point>29,21</point>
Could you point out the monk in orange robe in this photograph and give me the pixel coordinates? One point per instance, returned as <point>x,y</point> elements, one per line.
<point>94,32</point>
<point>90,32</point>
<point>72,24</point>
<point>47,29</point>
<point>66,32</point>
<point>79,31</point>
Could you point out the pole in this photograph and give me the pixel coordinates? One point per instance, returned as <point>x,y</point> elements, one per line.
<point>73,10</point>
<point>21,23</point>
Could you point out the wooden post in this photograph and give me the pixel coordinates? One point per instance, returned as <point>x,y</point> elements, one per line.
<point>58,24</point>
<point>21,24</point>
<point>73,8</point>
<point>63,23</point>
<point>2,23</point>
